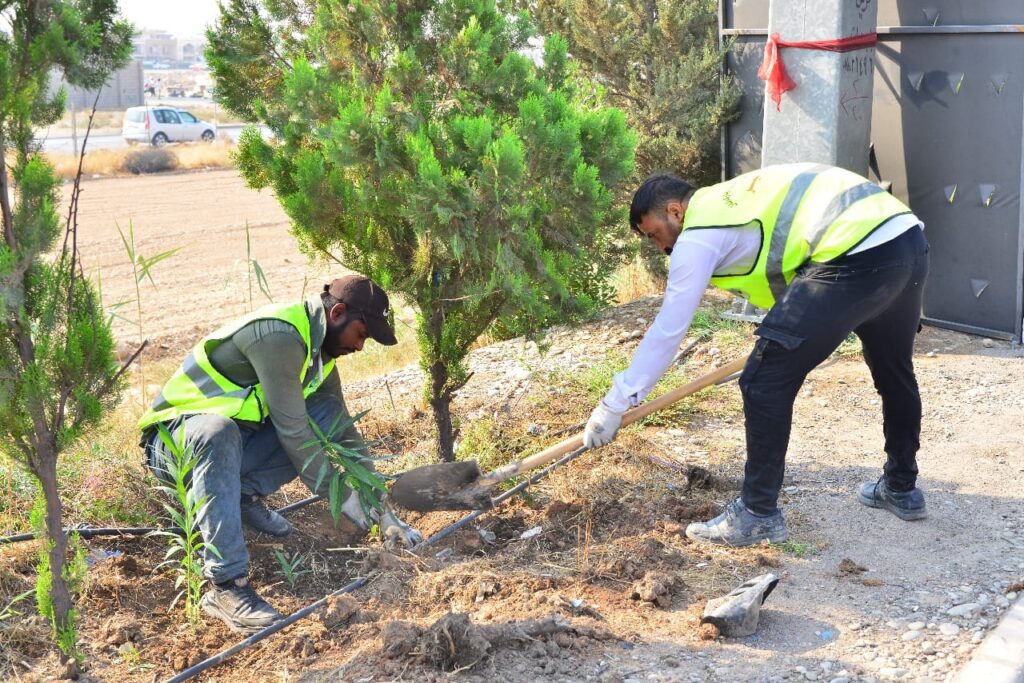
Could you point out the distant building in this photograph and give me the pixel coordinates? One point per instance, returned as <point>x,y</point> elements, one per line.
<point>156,45</point>
<point>191,50</point>
<point>123,89</point>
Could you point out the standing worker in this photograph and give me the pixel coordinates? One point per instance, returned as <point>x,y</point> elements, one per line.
<point>243,399</point>
<point>830,253</point>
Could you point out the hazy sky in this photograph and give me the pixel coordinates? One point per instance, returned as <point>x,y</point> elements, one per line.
<point>181,17</point>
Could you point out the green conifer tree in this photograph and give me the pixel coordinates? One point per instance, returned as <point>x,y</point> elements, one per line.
<point>56,350</point>
<point>660,61</point>
<point>421,143</point>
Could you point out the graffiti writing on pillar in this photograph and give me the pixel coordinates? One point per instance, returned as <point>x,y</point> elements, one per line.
<point>859,65</point>
<point>862,7</point>
<point>854,101</point>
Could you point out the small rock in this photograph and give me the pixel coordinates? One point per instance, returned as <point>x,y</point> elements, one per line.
<point>840,679</point>
<point>978,637</point>
<point>534,430</point>
<point>530,533</point>
<point>916,626</point>
<point>487,536</point>
<point>988,343</point>
<point>968,610</point>
<point>911,635</point>
<point>928,648</point>
<point>948,629</point>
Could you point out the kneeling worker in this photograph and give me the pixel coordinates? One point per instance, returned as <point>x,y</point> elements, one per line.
<point>830,253</point>
<point>243,400</point>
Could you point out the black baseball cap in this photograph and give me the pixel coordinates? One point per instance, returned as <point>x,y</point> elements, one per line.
<point>363,296</point>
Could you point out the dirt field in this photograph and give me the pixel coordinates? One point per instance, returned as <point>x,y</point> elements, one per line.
<point>203,215</point>
<point>596,553</point>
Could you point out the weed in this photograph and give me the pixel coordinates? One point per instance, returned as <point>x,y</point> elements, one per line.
<point>8,611</point>
<point>252,267</point>
<point>142,267</point>
<point>149,160</point>
<point>73,574</point>
<point>186,514</point>
<point>133,660</point>
<point>850,348</point>
<point>796,548</point>
<point>290,567</point>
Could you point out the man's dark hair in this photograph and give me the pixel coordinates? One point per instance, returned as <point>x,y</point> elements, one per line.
<point>329,300</point>
<point>655,192</point>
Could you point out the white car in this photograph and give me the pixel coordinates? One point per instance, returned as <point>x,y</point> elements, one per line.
<point>159,125</point>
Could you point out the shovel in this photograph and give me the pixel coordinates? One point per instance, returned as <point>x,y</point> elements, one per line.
<point>461,485</point>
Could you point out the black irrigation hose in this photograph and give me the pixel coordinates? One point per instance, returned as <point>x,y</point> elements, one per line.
<point>268,631</point>
<point>90,532</point>
<point>360,582</point>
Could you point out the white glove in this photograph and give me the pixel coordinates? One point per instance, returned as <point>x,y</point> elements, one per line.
<point>602,426</point>
<point>395,530</point>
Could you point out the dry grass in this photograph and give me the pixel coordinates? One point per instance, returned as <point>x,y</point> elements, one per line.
<point>633,281</point>
<point>110,162</point>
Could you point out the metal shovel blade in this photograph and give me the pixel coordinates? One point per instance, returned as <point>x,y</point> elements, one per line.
<point>736,614</point>
<point>447,486</point>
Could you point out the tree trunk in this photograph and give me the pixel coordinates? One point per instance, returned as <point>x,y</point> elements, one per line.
<point>59,593</point>
<point>440,402</point>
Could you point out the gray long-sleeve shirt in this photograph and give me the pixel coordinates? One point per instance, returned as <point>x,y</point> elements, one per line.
<point>271,352</point>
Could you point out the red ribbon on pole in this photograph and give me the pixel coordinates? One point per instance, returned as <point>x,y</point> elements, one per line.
<point>773,71</point>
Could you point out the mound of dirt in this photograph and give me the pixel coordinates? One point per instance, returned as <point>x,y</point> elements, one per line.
<point>454,642</point>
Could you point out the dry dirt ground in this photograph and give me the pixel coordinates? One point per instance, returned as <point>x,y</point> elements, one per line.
<point>204,216</point>
<point>592,565</point>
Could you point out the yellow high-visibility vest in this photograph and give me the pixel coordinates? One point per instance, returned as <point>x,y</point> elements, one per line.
<point>197,387</point>
<point>806,212</point>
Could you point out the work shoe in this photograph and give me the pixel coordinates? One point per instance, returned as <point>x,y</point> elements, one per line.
<point>239,606</point>
<point>256,515</point>
<point>738,526</point>
<point>907,505</point>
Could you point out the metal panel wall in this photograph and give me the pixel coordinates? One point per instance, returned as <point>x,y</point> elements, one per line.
<point>948,133</point>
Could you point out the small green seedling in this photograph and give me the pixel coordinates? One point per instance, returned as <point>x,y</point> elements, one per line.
<point>290,567</point>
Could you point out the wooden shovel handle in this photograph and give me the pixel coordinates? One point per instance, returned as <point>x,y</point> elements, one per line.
<point>552,453</point>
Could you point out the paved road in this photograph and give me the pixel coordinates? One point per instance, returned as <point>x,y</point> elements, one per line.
<point>64,143</point>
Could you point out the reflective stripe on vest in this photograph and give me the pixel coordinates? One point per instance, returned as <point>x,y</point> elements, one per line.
<point>806,212</point>
<point>198,387</point>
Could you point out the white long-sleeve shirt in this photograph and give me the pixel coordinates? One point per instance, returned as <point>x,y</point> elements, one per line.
<point>697,256</point>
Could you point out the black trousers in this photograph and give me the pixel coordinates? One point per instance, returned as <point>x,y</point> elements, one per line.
<point>877,295</point>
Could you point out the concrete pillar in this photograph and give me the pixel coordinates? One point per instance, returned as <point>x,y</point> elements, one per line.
<point>827,118</point>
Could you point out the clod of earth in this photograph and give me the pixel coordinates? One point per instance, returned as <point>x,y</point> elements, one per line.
<point>655,588</point>
<point>848,567</point>
<point>338,610</point>
<point>454,642</point>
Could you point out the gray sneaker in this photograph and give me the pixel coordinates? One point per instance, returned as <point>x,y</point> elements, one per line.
<point>738,526</point>
<point>907,505</point>
<point>256,515</point>
<point>239,606</point>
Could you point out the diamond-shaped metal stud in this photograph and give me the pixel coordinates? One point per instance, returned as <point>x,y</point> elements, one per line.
<point>999,82</point>
<point>931,14</point>
<point>988,193</point>
<point>915,78</point>
<point>950,192</point>
<point>978,286</point>
<point>956,81</point>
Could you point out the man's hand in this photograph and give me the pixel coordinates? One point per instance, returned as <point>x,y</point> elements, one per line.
<point>396,532</point>
<point>602,426</point>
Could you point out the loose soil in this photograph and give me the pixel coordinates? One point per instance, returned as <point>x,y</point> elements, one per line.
<point>589,576</point>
